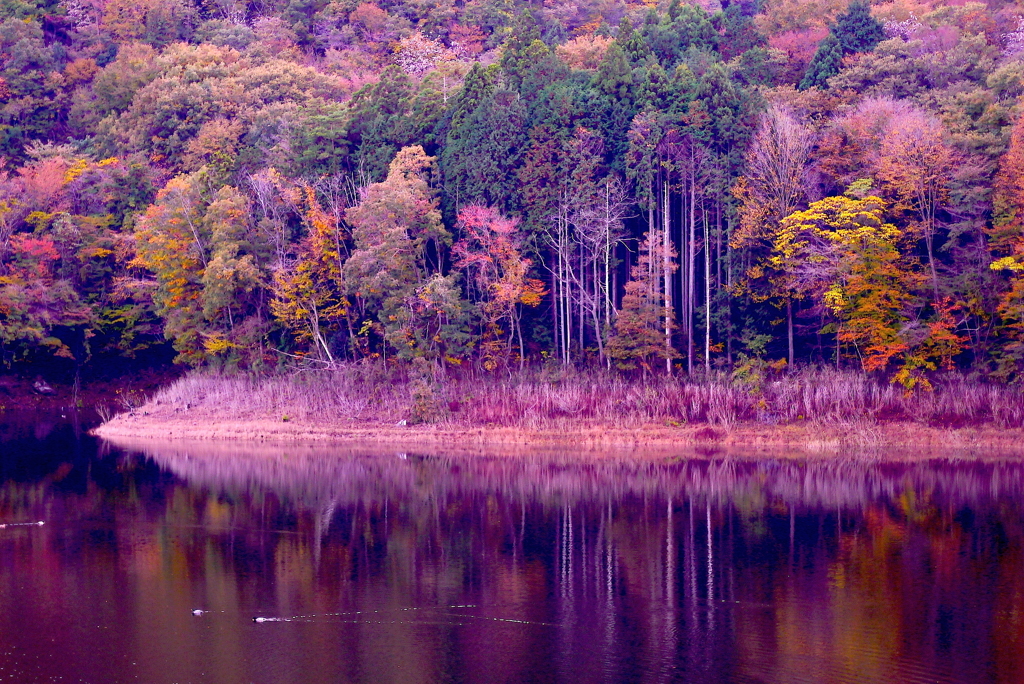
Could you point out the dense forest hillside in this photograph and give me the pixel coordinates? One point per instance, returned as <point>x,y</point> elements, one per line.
<point>669,186</point>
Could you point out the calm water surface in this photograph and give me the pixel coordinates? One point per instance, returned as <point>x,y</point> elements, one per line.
<point>423,567</point>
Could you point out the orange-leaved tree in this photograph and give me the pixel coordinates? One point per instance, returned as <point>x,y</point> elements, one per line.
<point>309,292</point>
<point>199,245</point>
<point>171,242</point>
<point>637,336</point>
<point>844,254</point>
<point>1007,242</point>
<point>490,253</point>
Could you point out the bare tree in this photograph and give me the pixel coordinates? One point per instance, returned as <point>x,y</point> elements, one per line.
<point>774,185</point>
<point>916,165</point>
<point>272,212</point>
<point>599,230</point>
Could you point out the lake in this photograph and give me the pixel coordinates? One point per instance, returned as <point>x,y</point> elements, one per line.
<point>234,563</point>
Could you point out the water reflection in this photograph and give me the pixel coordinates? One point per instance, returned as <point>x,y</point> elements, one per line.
<point>426,567</point>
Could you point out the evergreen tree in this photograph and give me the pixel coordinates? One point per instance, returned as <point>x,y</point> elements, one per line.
<point>379,125</point>
<point>519,50</point>
<point>633,43</point>
<point>826,63</point>
<point>480,160</point>
<point>614,101</point>
<point>685,26</point>
<point>479,83</point>
<point>855,31</point>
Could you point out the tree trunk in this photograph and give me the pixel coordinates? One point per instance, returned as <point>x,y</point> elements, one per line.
<point>691,275</point>
<point>728,299</point>
<point>666,260</point>
<point>929,240</point>
<point>707,295</point>
<point>789,330</point>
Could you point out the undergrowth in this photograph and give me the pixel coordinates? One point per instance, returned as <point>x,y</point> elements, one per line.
<point>548,399</point>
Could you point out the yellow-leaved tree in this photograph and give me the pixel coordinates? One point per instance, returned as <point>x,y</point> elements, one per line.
<point>199,245</point>
<point>844,255</point>
<point>309,292</point>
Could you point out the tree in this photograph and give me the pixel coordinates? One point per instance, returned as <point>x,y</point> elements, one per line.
<point>637,336</point>
<point>36,305</point>
<point>854,31</point>
<point>916,166</point>
<point>844,255</point>
<point>399,238</point>
<point>171,243</point>
<point>1010,357</point>
<point>521,48</point>
<point>490,254</point>
<point>650,164</point>
<point>198,244</point>
<point>575,211</point>
<point>774,182</point>
<point>231,271</point>
<point>684,26</point>
<point>310,292</point>
<point>857,30</point>
<point>482,154</point>
<point>417,54</point>
<point>1007,242</point>
<point>382,121</point>
<point>33,104</point>
<point>1008,196</point>
<point>773,186</point>
<point>826,63</point>
<point>584,52</point>
<point>614,102</point>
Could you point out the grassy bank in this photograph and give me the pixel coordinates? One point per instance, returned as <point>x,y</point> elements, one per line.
<point>367,403</point>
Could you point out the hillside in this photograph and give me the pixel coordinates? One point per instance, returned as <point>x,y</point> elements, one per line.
<point>742,185</point>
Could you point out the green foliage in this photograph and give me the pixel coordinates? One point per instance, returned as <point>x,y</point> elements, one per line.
<point>481,156</point>
<point>826,63</point>
<point>685,25</point>
<point>857,30</point>
<point>854,31</point>
<point>396,231</point>
<point>521,49</point>
<point>380,122</point>
<point>198,244</point>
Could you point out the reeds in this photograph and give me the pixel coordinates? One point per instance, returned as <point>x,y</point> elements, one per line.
<point>539,399</point>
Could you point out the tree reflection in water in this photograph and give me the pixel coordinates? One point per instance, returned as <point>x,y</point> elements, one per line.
<point>421,567</point>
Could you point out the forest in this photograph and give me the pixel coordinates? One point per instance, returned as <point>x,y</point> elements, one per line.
<point>656,187</point>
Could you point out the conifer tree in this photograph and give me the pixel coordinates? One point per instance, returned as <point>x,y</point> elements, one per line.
<point>854,31</point>
<point>857,30</point>
<point>826,63</point>
<point>637,337</point>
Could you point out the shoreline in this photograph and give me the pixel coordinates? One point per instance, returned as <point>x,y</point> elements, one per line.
<point>703,439</point>
<point>18,394</point>
<point>581,413</point>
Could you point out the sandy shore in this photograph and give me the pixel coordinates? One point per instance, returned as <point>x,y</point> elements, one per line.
<point>167,425</point>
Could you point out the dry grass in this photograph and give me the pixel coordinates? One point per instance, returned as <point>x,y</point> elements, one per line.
<point>550,400</point>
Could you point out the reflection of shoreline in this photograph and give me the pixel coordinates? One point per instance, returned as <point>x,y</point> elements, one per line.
<point>312,477</point>
<point>810,439</point>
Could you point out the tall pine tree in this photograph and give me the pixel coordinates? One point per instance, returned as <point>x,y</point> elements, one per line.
<point>855,31</point>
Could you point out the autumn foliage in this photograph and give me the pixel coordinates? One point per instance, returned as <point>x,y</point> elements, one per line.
<point>677,187</point>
